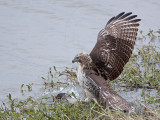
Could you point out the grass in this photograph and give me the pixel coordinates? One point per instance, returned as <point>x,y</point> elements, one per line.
<point>141,72</point>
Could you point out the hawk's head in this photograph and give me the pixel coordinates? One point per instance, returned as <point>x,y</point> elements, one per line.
<point>84,60</point>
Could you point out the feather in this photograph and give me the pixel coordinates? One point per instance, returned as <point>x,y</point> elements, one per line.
<point>136,20</point>
<point>110,20</point>
<point>125,15</point>
<point>119,15</point>
<point>131,17</point>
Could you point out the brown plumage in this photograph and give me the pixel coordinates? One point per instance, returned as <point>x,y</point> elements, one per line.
<point>112,51</point>
<point>114,45</point>
<point>104,93</point>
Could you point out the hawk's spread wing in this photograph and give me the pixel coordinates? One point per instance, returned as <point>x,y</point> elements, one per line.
<point>115,45</point>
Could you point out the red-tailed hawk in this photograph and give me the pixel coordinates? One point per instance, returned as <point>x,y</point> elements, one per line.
<point>112,51</point>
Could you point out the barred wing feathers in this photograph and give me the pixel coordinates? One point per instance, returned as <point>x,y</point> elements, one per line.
<point>104,93</point>
<point>115,45</point>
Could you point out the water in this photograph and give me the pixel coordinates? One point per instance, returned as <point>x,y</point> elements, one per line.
<point>37,34</point>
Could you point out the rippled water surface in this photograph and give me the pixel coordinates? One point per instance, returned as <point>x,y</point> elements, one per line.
<point>37,34</point>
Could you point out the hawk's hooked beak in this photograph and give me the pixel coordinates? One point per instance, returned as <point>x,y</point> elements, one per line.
<point>76,59</point>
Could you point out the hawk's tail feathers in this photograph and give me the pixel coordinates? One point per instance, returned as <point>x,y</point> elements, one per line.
<point>115,101</point>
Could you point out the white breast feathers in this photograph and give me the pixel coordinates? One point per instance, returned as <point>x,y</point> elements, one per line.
<point>82,82</point>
